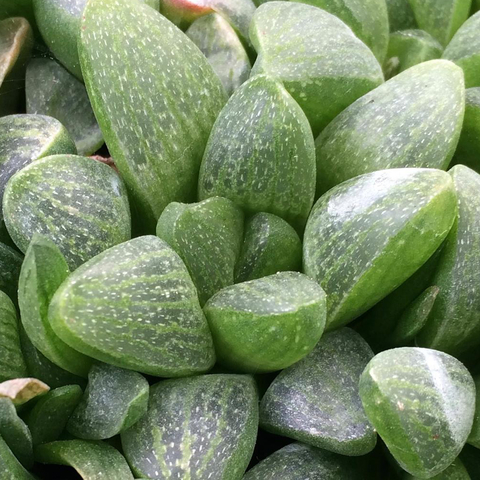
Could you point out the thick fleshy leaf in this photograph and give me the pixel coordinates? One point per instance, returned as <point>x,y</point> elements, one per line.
<point>474,437</point>
<point>10,467</point>
<point>49,416</point>
<point>440,19</point>
<point>22,390</point>
<point>468,150</point>
<point>300,45</point>
<point>261,154</point>
<point>454,324</point>
<point>155,111</point>
<point>298,461</point>
<point>78,203</point>
<point>92,460</point>
<point>16,42</point>
<point>421,402</point>
<point>52,90</point>
<point>456,471</point>
<point>198,427</point>
<point>266,324</point>
<point>114,400</point>
<point>208,237</point>
<point>12,364</point>
<point>464,50</point>
<point>15,433</point>
<point>398,218</point>
<point>372,135</point>
<point>270,245</point>
<point>43,271</point>
<point>217,40</point>
<point>316,401</point>
<point>400,15</point>
<point>10,264</point>
<point>408,48</point>
<point>147,314</point>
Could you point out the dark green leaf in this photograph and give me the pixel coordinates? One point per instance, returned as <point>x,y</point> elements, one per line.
<point>400,15</point>
<point>10,264</point>
<point>10,467</point>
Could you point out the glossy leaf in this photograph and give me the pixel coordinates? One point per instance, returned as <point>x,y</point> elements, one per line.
<point>22,390</point>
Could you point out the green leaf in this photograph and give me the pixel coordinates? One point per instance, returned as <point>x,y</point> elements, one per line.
<point>297,461</point>
<point>372,134</point>
<point>454,324</point>
<point>155,111</point>
<point>266,324</point>
<point>15,433</point>
<point>115,399</point>
<point>474,437</point>
<point>208,237</point>
<point>464,50</point>
<point>16,42</point>
<point>147,315</point>
<point>260,154</point>
<point>400,15</point>
<point>10,467</point>
<point>408,48</point>
<point>12,364</point>
<point>10,264</point>
<point>92,460</point>
<point>49,416</point>
<point>43,271</point>
<point>218,41</point>
<point>316,401</point>
<point>365,237</point>
<point>270,245</point>
<point>456,471</point>
<point>440,19</point>
<point>198,427</point>
<point>301,45</point>
<point>78,203</point>
<point>52,90</point>
<point>22,390</point>
<point>421,402</point>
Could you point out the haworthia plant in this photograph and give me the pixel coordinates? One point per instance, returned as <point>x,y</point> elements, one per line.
<point>454,323</point>
<point>299,45</point>
<point>10,467</point>
<point>408,48</point>
<point>10,264</point>
<point>398,219</point>
<point>43,271</point>
<point>468,149</point>
<point>218,41</point>
<point>22,390</point>
<point>270,245</point>
<point>464,50</point>
<point>77,202</point>
<point>155,111</point>
<point>196,427</point>
<point>92,460</point>
<point>12,364</point>
<point>147,315</point>
<point>474,437</point>
<point>440,19</point>
<point>15,433</point>
<point>260,150</point>
<point>16,41</point>
<point>115,399</point>
<point>421,402</point>
<point>371,135</point>
<point>400,15</point>
<point>52,90</point>
<point>266,324</point>
<point>208,237</point>
<point>316,401</point>
<point>297,461</point>
<point>50,414</point>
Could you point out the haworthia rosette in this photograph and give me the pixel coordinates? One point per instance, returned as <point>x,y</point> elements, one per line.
<point>299,45</point>
<point>115,399</point>
<point>259,153</point>
<point>316,401</point>
<point>10,467</point>
<point>43,271</point>
<point>400,15</point>
<point>270,245</point>
<point>208,237</point>
<point>397,217</point>
<point>421,402</point>
<point>266,324</point>
<point>92,460</point>
<point>454,323</point>
<point>155,110</point>
<point>78,203</point>
<point>199,427</point>
<point>22,390</point>
<point>371,135</point>
<point>147,314</point>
